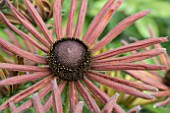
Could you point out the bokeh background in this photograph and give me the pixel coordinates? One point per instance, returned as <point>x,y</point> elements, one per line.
<point>159,19</point>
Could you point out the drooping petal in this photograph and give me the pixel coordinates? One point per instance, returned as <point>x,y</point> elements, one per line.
<point>23,78</point>
<point>69,29</point>
<point>104,20</point>
<point>22,53</point>
<point>93,107</point>
<point>57,19</point>
<point>39,21</point>
<point>24,68</point>
<point>131,47</point>
<point>73,97</point>
<point>13,107</point>
<point>38,107</point>
<point>161,93</point>
<point>80,20</point>
<point>119,28</point>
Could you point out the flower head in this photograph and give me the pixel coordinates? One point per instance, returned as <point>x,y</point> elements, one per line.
<point>71,59</point>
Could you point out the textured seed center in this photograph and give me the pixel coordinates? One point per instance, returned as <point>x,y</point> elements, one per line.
<point>69,59</point>
<point>70,53</point>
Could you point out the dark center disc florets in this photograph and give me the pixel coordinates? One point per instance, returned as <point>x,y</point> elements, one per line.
<point>167,78</point>
<point>69,59</point>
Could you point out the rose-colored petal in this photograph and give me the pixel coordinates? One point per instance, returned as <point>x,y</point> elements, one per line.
<point>16,98</point>
<point>93,107</point>
<point>73,97</point>
<point>39,21</point>
<point>97,19</point>
<point>38,107</point>
<point>12,38</point>
<point>26,68</point>
<point>133,57</point>
<point>27,25</point>
<point>45,90</point>
<point>130,47</point>
<point>147,79</point>
<point>103,97</point>
<point>110,104</point>
<point>78,108</point>
<point>126,66</point>
<point>23,78</point>
<point>119,87</point>
<point>162,93</point>
<point>81,17</point>
<point>119,28</point>
<point>22,53</point>
<point>56,97</point>
<point>164,103</point>
<point>22,34</point>
<point>69,29</point>
<point>12,107</point>
<point>103,22</point>
<point>49,102</point>
<point>136,85</point>
<point>136,109</point>
<point>57,19</point>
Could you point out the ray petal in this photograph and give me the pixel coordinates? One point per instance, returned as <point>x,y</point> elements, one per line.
<point>120,87</point>
<point>22,53</point>
<point>57,19</point>
<point>93,107</point>
<point>24,68</point>
<point>73,97</point>
<point>126,66</point>
<point>81,17</point>
<point>16,98</point>
<point>37,104</point>
<point>110,104</point>
<point>97,19</point>
<point>164,103</point>
<point>78,108</point>
<point>13,108</point>
<point>23,78</point>
<point>39,21</point>
<point>136,109</point>
<point>162,93</point>
<point>104,20</point>
<point>119,28</point>
<point>69,29</point>
<point>22,34</point>
<point>56,97</point>
<point>27,25</point>
<point>131,47</point>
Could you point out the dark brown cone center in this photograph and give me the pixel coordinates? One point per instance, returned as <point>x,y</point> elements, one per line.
<point>70,53</point>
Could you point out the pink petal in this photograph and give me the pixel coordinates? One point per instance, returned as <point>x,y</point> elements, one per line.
<point>57,19</point>
<point>78,108</point>
<point>37,104</point>
<point>69,29</point>
<point>164,103</point>
<point>80,20</point>
<point>135,109</point>
<point>22,53</point>
<point>12,107</point>
<point>119,28</point>
<point>39,21</point>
